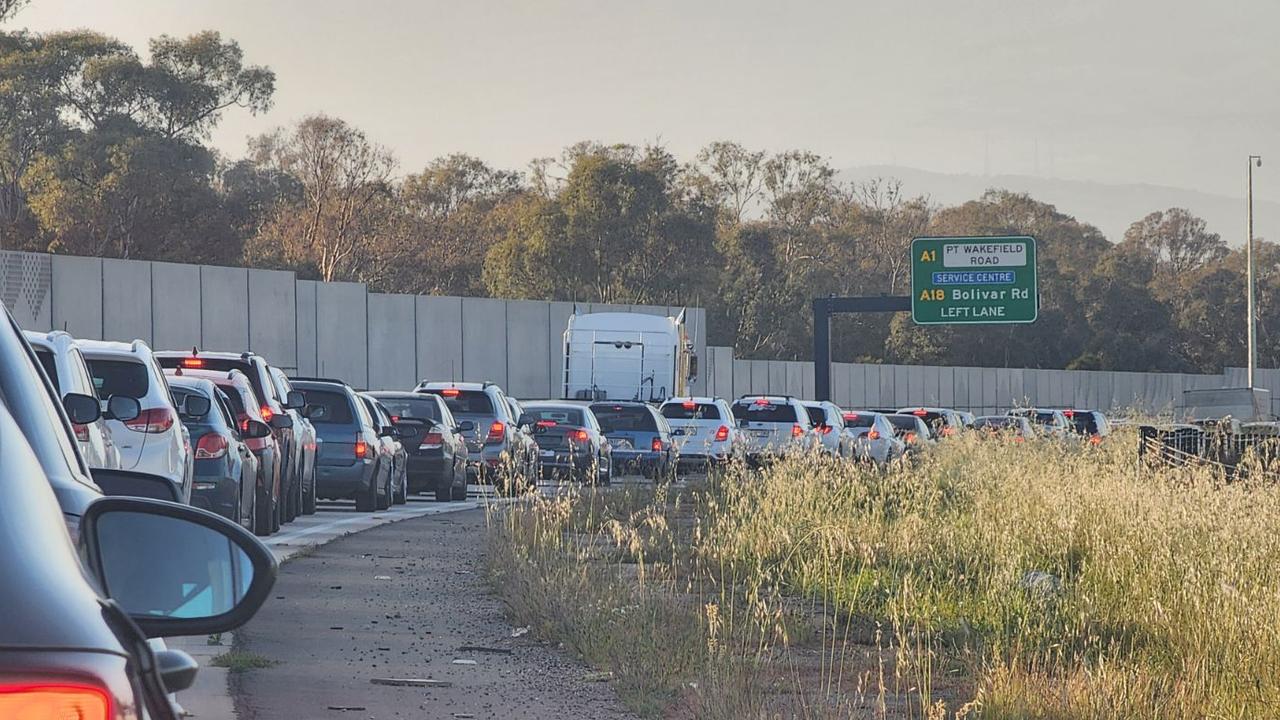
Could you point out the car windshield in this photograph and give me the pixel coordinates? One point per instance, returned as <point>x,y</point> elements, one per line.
<point>466,402</point>
<point>762,410</point>
<point>691,411</point>
<point>118,377</point>
<point>416,408</point>
<point>557,414</point>
<point>624,418</point>
<point>334,407</point>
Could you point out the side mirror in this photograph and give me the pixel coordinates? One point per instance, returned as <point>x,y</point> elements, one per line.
<point>135,484</point>
<point>526,421</point>
<point>281,421</point>
<point>252,429</point>
<point>466,426</point>
<point>177,570</point>
<point>81,409</point>
<point>178,670</point>
<point>388,431</point>
<point>295,400</point>
<point>123,408</point>
<point>196,406</point>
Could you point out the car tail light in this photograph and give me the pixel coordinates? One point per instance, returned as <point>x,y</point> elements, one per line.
<point>722,433</point>
<point>910,437</point>
<point>55,701</point>
<point>451,392</point>
<point>210,446</point>
<point>578,436</point>
<point>824,429</point>
<point>155,420</point>
<point>362,448</point>
<point>82,432</point>
<point>796,431</point>
<point>657,444</point>
<point>689,405</point>
<point>873,435</point>
<point>497,432</point>
<point>431,441</point>
<point>1069,413</point>
<point>267,414</point>
<point>948,432</point>
<point>1095,439</point>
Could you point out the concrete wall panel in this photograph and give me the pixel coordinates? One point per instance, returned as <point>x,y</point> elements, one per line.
<point>305,318</point>
<point>176,315</point>
<point>439,350</point>
<point>795,381</point>
<point>273,320</point>
<point>26,285</point>
<point>529,368</point>
<point>342,327</point>
<point>484,339</point>
<point>776,374</point>
<point>224,309</point>
<point>126,300</point>
<point>392,330</point>
<point>76,298</point>
<point>960,387</point>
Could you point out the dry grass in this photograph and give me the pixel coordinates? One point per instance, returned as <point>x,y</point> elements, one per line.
<point>987,580</point>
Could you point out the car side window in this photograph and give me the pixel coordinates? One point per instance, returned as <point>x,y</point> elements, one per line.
<point>446,417</point>
<point>363,412</point>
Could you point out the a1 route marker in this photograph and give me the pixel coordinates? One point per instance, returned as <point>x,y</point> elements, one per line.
<point>972,280</point>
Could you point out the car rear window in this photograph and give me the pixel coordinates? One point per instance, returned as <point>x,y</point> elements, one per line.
<point>418,408</point>
<point>859,420</point>
<point>337,407</point>
<point>208,363</point>
<point>902,422</point>
<point>466,402</point>
<point>691,411</point>
<point>50,366</point>
<point>119,377</point>
<point>1084,423</point>
<point>1044,418</point>
<point>998,422</point>
<point>624,418</point>
<point>557,415</point>
<point>817,416</point>
<point>764,411</point>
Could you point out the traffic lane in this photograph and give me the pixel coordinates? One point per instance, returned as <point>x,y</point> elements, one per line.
<point>398,601</point>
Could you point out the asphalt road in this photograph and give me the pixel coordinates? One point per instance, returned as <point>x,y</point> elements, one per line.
<point>399,601</point>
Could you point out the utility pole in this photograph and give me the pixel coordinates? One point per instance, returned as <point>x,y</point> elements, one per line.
<point>1254,160</point>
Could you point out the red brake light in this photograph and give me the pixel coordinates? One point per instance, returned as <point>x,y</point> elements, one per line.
<point>267,414</point>
<point>920,413</point>
<point>82,432</point>
<point>497,432</point>
<point>948,432</point>
<point>546,423</point>
<point>1069,413</point>
<point>689,405</point>
<point>431,441</point>
<point>155,420</point>
<point>362,448</point>
<point>192,363</point>
<point>657,444</point>
<point>1095,439</point>
<point>762,401</point>
<point>873,434</point>
<point>722,433</point>
<point>395,418</point>
<point>210,446</point>
<point>578,436</point>
<point>451,392</point>
<point>850,416</point>
<point>796,431</point>
<point>55,701</point>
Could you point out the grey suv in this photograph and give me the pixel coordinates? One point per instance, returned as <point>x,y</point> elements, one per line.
<point>494,444</point>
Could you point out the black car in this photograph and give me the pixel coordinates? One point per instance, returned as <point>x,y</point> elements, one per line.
<point>93,577</point>
<point>570,441</point>
<point>286,500</point>
<point>434,440</point>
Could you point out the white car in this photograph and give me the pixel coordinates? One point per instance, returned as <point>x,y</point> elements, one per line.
<point>703,430</point>
<point>67,370</point>
<point>155,441</point>
<point>1052,423</point>
<point>877,440</point>
<point>828,422</point>
<point>773,425</point>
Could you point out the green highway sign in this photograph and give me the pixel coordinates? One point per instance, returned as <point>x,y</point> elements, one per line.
<point>973,280</point>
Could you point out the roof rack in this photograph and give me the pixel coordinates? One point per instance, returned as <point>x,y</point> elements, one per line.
<point>318,379</point>
<point>774,395</point>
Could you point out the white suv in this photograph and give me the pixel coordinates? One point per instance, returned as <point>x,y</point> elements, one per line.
<point>703,430</point>
<point>154,442</point>
<point>877,439</point>
<point>66,368</point>
<point>828,424</point>
<point>773,425</point>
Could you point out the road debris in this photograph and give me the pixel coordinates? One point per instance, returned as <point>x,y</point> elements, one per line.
<point>411,682</point>
<point>483,649</point>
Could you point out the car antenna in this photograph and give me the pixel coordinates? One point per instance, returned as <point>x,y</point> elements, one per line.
<point>194,351</point>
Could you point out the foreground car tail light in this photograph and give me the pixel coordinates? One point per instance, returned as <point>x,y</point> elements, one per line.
<point>497,432</point>
<point>155,420</point>
<point>267,414</point>
<point>722,433</point>
<point>55,701</point>
<point>657,445</point>
<point>210,446</point>
<point>431,441</point>
<point>796,431</point>
<point>362,448</point>
<point>82,432</point>
<point>873,435</point>
<point>578,436</point>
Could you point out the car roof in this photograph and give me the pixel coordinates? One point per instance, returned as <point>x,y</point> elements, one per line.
<point>320,384</point>
<point>555,404</point>
<point>56,339</point>
<point>400,395</point>
<point>441,384</point>
<point>234,375</point>
<point>215,354</point>
<point>112,347</point>
<point>706,399</point>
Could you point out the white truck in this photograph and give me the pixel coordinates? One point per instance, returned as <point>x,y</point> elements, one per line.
<point>627,356</point>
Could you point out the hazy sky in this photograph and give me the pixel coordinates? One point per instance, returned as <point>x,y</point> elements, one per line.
<point>1169,92</point>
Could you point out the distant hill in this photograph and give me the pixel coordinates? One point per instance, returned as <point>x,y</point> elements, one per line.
<point>1109,207</point>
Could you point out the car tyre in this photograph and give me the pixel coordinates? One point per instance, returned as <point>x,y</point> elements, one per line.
<point>382,500</point>
<point>261,512</point>
<point>309,498</point>
<point>402,495</point>
<point>367,499</point>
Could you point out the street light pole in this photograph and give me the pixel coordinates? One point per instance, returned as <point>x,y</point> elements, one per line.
<point>1253,312</point>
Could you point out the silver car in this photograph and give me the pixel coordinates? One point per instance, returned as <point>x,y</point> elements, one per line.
<point>773,425</point>
<point>877,440</point>
<point>828,423</point>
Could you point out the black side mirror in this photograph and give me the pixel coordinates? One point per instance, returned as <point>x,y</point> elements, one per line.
<point>177,669</point>
<point>135,484</point>
<point>295,400</point>
<point>252,429</point>
<point>281,421</point>
<point>81,409</point>
<point>196,406</point>
<point>466,426</point>
<point>177,570</point>
<point>388,431</point>
<point>123,408</point>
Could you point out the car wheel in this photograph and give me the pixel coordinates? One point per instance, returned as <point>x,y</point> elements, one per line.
<point>261,512</point>
<point>383,499</point>
<point>606,472</point>
<point>367,499</point>
<point>309,498</point>
<point>402,495</point>
<point>276,502</point>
